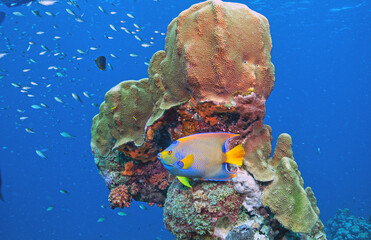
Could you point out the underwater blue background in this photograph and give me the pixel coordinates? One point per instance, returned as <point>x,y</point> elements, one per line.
<point>321,52</point>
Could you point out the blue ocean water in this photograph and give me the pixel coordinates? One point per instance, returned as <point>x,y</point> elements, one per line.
<point>321,52</point>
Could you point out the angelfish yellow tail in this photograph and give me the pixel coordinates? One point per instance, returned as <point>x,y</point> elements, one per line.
<point>235,155</point>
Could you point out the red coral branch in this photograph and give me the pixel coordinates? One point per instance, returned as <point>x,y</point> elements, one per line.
<point>120,197</point>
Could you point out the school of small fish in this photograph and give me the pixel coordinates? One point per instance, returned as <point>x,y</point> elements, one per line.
<point>34,49</point>
<point>50,77</point>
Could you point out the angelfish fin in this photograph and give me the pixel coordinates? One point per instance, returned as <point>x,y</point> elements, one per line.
<point>184,181</point>
<point>224,147</point>
<point>187,161</point>
<point>235,155</point>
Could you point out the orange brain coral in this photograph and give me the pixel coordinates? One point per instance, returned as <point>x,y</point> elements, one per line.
<point>215,49</point>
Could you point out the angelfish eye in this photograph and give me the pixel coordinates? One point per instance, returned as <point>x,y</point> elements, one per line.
<point>169,152</point>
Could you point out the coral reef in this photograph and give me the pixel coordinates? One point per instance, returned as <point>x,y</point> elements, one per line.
<point>214,76</point>
<point>344,226</point>
<point>197,214</point>
<point>288,200</point>
<point>120,197</point>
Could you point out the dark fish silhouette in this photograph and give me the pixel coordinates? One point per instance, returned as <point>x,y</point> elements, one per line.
<point>14,3</point>
<point>101,62</point>
<point>1,195</point>
<point>2,17</point>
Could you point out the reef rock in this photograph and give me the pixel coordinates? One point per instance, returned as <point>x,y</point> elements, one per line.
<point>347,227</point>
<point>214,76</point>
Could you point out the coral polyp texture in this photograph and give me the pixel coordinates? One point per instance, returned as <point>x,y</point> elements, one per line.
<point>213,51</point>
<point>214,76</point>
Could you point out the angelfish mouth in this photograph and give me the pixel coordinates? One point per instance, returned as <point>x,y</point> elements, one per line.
<point>166,164</point>
<point>159,156</point>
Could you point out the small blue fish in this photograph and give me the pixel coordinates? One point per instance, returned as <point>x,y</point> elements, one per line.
<point>41,154</point>
<point>35,106</point>
<point>63,191</point>
<point>50,208</point>
<point>122,214</point>
<point>202,155</point>
<point>29,130</point>
<point>66,135</point>
<point>143,207</point>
